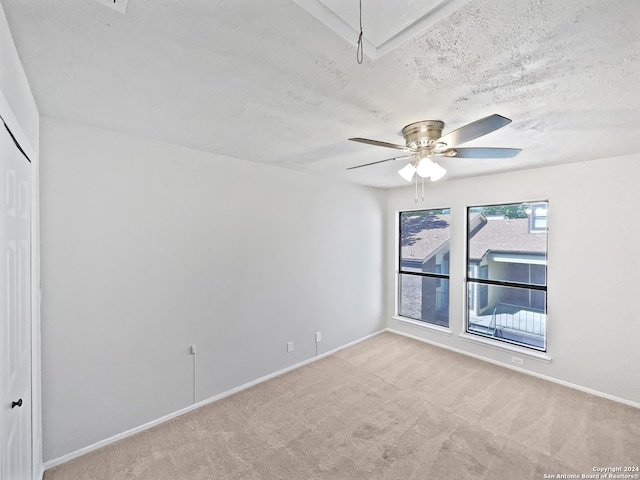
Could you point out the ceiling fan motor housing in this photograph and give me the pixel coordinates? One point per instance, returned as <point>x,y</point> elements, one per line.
<point>422,134</point>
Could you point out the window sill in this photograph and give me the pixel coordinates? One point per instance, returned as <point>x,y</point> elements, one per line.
<point>427,326</point>
<point>502,346</point>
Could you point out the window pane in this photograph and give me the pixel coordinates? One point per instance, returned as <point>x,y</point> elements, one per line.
<point>510,241</point>
<point>516,315</point>
<point>424,298</point>
<point>538,214</point>
<point>424,241</point>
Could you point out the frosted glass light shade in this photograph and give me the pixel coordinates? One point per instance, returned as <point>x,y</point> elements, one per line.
<point>407,172</point>
<point>437,172</point>
<point>425,168</point>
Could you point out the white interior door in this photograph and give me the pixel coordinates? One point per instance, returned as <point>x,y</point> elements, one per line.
<point>15,312</point>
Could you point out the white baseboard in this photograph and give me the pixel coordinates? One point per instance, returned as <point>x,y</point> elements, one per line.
<point>107,441</point>
<point>521,370</point>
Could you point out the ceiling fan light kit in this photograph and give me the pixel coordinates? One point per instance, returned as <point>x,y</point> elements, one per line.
<point>424,142</point>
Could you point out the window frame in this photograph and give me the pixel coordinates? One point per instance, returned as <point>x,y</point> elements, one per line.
<point>486,282</point>
<point>434,275</point>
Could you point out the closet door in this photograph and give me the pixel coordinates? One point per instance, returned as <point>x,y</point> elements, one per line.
<point>15,312</point>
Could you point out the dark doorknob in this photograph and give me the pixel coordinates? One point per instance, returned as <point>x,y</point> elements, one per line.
<point>16,404</point>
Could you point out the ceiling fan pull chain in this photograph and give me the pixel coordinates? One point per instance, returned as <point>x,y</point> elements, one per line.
<point>360,49</point>
<point>422,189</point>
<point>416,197</point>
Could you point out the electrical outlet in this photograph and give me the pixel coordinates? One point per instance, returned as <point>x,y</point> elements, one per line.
<point>318,337</point>
<point>289,347</point>
<point>517,360</point>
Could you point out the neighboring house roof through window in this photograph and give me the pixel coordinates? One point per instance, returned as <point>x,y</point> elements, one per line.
<point>489,234</point>
<point>426,236</point>
<point>501,234</point>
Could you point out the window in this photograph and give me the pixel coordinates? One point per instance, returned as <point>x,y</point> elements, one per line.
<point>537,213</point>
<point>507,273</point>
<point>423,274</point>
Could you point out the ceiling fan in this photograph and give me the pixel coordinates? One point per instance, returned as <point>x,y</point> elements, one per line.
<point>424,142</point>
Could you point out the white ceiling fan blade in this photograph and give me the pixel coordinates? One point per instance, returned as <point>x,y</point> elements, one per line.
<point>474,130</point>
<point>378,143</point>
<point>405,157</point>
<point>480,152</point>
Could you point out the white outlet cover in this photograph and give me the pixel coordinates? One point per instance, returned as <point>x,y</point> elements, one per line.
<point>117,5</point>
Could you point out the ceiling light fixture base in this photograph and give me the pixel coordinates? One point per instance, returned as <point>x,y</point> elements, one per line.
<point>422,134</point>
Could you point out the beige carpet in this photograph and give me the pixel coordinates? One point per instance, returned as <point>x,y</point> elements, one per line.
<point>387,408</point>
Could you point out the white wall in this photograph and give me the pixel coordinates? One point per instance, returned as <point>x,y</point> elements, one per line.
<point>594,261</point>
<point>149,248</point>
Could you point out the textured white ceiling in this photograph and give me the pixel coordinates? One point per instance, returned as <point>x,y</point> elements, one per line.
<point>268,82</point>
